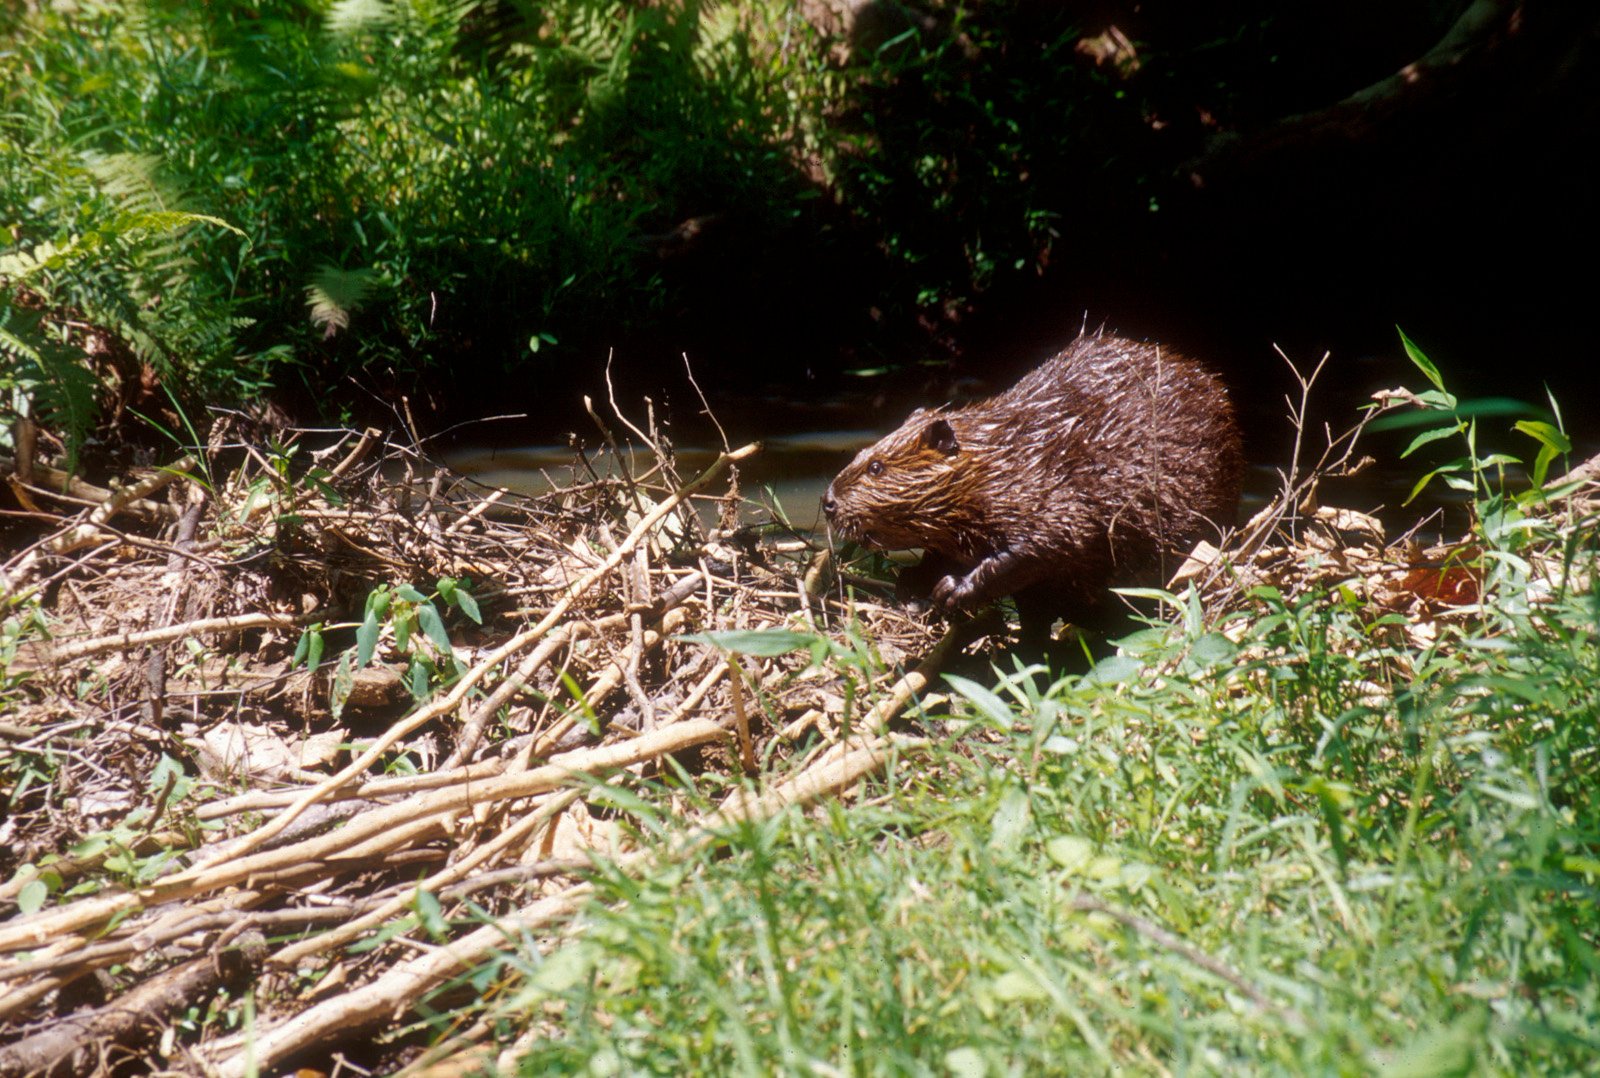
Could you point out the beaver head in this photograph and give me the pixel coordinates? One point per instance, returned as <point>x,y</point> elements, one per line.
<point>916,487</point>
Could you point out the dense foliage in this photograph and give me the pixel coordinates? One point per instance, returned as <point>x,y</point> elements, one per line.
<point>417,182</point>
<point>449,198</point>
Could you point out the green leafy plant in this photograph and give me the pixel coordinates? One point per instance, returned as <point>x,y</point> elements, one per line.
<point>418,633</point>
<point>856,657</point>
<point>102,278</point>
<point>1470,474</point>
<point>470,178</point>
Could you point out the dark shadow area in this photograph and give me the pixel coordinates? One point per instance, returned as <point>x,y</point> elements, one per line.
<point>1225,180</point>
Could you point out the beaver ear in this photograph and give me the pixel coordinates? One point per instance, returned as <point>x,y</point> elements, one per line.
<point>939,437</point>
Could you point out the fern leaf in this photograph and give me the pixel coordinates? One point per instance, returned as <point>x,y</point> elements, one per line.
<point>170,221</point>
<point>129,180</point>
<point>334,294</point>
<point>15,345</point>
<point>51,379</point>
<point>346,17</point>
<point>22,264</point>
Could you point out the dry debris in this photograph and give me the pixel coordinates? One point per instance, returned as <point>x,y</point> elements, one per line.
<point>200,804</point>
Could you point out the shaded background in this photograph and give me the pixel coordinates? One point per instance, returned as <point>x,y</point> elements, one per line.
<point>836,210</point>
<point>1226,178</point>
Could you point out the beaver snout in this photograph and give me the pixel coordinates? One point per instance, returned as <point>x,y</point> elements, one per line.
<point>830,505</point>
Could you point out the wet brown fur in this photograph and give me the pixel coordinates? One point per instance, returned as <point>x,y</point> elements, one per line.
<point>1102,467</point>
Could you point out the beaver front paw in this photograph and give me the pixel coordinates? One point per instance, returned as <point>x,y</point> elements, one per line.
<point>953,593</point>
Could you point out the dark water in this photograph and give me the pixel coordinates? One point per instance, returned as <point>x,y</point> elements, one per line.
<point>790,472</point>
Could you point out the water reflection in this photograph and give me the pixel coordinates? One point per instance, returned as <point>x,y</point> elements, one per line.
<point>793,469</point>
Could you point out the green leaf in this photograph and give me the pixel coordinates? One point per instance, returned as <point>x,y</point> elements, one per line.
<point>169,769</point>
<point>1211,649</point>
<point>1446,470</point>
<point>967,1062</point>
<point>1114,670</point>
<point>468,605</point>
<point>1017,986</point>
<point>455,593</point>
<point>1070,852</point>
<point>1541,466</point>
<point>433,625</point>
<point>91,846</point>
<point>431,915</point>
<point>1588,866</point>
<point>309,648</point>
<point>1552,443</point>
<point>1011,821</point>
<point>367,637</point>
<point>410,594</point>
<point>32,896</point>
<point>763,643</point>
<point>418,677</point>
<point>566,967</point>
<point>334,294</point>
<point>379,600</point>
<point>1424,364</point>
<point>1434,435</point>
<point>986,702</point>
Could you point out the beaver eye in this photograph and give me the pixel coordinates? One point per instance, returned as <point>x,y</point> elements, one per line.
<point>874,467</point>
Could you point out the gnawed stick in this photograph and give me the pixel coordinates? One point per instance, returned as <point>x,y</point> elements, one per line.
<point>64,486</point>
<point>90,912</point>
<point>508,838</point>
<point>238,623</point>
<point>81,535</point>
<point>374,1002</point>
<point>370,1004</point>
<point>473,726</point>
<point>73,1045</point>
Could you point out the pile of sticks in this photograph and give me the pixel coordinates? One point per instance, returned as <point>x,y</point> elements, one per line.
<point>208,814</point>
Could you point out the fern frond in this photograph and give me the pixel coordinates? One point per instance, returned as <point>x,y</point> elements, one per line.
<point>15,345</point>
<point>334,294</point>
<point>129,180</point>
<point>164,221</point>
<point>130,228</point>
<point>347,17</point>
<point>19,265</point>
<point>43,377</point>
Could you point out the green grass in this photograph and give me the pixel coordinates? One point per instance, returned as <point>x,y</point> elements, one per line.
<point>1390,849</point>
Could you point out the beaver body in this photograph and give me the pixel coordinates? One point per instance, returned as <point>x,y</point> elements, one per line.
<point>1101,468</point>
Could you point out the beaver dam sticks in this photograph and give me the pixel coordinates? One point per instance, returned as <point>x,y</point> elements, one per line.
<point>1101,468</point>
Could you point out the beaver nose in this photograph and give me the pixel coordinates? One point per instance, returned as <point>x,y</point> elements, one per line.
<point>829,506</point>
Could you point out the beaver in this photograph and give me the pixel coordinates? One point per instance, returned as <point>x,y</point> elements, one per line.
<point>1102,467</point>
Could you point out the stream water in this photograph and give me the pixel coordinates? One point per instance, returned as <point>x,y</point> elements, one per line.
<point>793,470</point>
